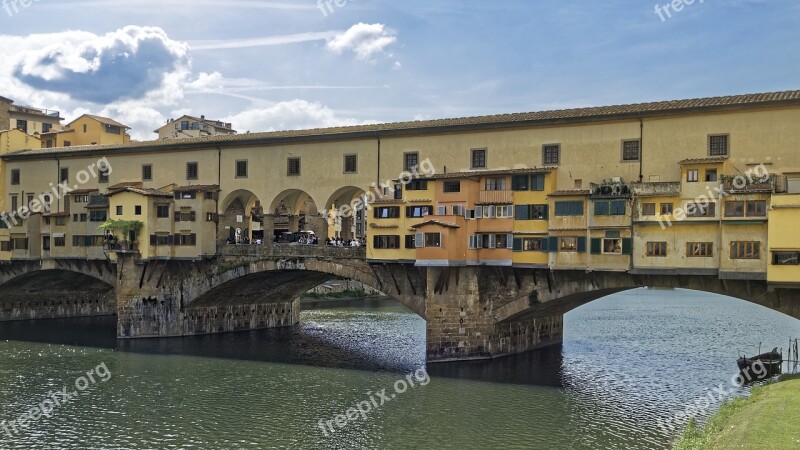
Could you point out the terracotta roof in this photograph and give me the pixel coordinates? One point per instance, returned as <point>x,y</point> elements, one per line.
<point>385,201</point>
<point>83,191</point>
<point>485,173</point>
<point>569,192</point>
<point>516,120</point>
<point>706,160</point>
<point>125,184</point>
<point>56,214</point>
<point>375,225</point>
<point>436,222</point>
<point>104,121</point>
<point>145,192</point>
<point>209,122</point>
<point>198,187</point>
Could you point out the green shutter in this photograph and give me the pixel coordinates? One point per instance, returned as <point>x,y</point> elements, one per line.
<point>521,212</point>
<point>627,246</point>
<point>537,183</point>
<point>581,244</point>
<point>552,244</point>
<point>597,244</point>
<point>517,244</point>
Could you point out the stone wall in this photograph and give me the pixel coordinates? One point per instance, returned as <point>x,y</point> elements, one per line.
<point>334,286</point>
<point>55,305</point>
<point>225,318</point>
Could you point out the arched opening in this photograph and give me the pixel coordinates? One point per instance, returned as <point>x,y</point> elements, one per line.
<point>242,220</point>
<point>347,223</point>
<point>295,211</point>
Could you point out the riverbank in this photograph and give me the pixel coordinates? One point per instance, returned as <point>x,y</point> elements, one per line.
<point>769,418</point>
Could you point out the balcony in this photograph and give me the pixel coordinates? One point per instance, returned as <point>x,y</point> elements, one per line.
<point>35,111</point>
<point>505,197</point>
<point>742,184</point>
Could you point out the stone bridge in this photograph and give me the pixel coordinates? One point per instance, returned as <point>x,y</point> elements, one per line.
<point>471,312</point>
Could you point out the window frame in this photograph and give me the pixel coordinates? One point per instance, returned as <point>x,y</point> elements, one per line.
<point>707,249</point>
<point>711,150</point>
<point>406,166</point>
<point>624,150</point>
<point>354,161</point>
<point>236,166</point>
<point>656,249</point>
<point>293,162</point>
<point>741,250</point>
<point>147,169</point>
<point>546,160</point>
<point>189,166</point>
<point>473,153</point>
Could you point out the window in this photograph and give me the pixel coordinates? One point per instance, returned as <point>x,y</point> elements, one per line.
<point>387,212</point>
<point>14,205</point>
<point>211,217</point>
<point>161,239</point>
<point>81,199</point>
<point>701,210</point>
<point>15,177</point>
<point>711,174</point>
<point>610,207</point>
<point>411,241</point>
<point>496,184</point>
<point>184,124</point>
<point>83,217</point>
<point>350,163</point>
<point>718,145</point>
<point>458,210</point>
<point>410,161</point>
<point>569,208</point>
<point>185,216</point>
<point>208,195</point>
<point>22,125</point>
<point>241,169</point>
<point>503,240</point>
<point>734,209</point>
<point>531,212</point>
<point>656,249</point>
<point>188,240</point>
<point>666,209</point>
<point>61,221</point>
<point>551,154</point>
<point>692,175</point>
<point>119,210</point>
<point>85,128</point>
<point>648,209</point>
<point>113,129</point>
<point>67,143</point>
<point>19,243</point>
<point>502,211</point>
<point>568,244</point>
<point>386,242</point>
<point>785,258</point>
<point>527,182</point>
<point>700,249</point>
<point>612,246</point>
<point>63,174</point>
<point>162,211</point>
<point>532,244</point>
<point>418,211</point>
<point>98,216</point>
<point>630,150</point>
<point>195,125</point>
<point>479,158</point>
<point>59,241</point>
<point>745,250</point>
<point>102,176</point>
<point>6,246</point>
<point>185,195</point>
<point>417,185</point>
<point>46,127</point>
<point>433,240</point>
<point>757,208</point>
<point>147,172</point>
<point>137,210</point>
<point>192,170</point>
<point>451,186</point>
<point>293,167</point>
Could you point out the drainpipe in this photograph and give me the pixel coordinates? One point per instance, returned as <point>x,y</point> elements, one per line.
<point>641,149</point>
<point>377,136</point>
<point>58,177</point>
<point>216,197</point>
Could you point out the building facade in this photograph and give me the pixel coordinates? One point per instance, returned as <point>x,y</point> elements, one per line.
<point>705,186</point>
<point>193,127</point>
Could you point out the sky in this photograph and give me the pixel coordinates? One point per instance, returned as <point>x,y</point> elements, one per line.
<point>288,64</point>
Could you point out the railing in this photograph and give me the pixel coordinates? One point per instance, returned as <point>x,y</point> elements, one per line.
<point>497,197</point>
<point>293,251</point>
<point>38,111</point>
<point>743,184</point>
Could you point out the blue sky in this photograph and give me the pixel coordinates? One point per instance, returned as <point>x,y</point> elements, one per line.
<point>267,65</point>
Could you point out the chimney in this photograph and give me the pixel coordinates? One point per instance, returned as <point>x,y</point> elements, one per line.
<point>202,117</point>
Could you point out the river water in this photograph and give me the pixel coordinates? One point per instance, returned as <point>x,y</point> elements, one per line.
<point>628,364</point>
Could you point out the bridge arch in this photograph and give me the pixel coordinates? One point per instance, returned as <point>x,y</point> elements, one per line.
<point>241,210</point>
<point>296,210</point>
<point>351,225</point>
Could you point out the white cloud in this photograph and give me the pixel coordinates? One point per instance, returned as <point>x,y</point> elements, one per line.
<point>289,115</point>
<point>262,41</point>
<point>365,40</point>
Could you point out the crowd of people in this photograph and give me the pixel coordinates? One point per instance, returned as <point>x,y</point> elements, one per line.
<point>339,242</point>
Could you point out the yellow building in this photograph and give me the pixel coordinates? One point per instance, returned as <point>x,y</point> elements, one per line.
<point>193,127</point>
<point>29,120</point>
<point>88,130</point>
<point>784,245</point>
<point>660,161</point>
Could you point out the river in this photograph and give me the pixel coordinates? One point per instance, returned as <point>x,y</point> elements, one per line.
<point>628,364</point>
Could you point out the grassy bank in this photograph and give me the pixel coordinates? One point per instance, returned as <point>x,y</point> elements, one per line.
<point>334,295</point>
<point>768,419</point>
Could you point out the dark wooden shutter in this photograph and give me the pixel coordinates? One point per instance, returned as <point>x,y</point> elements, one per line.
<point>517,244</point>
<point>627,246</point>
<point>597,245</point>
<point>581,244</point>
